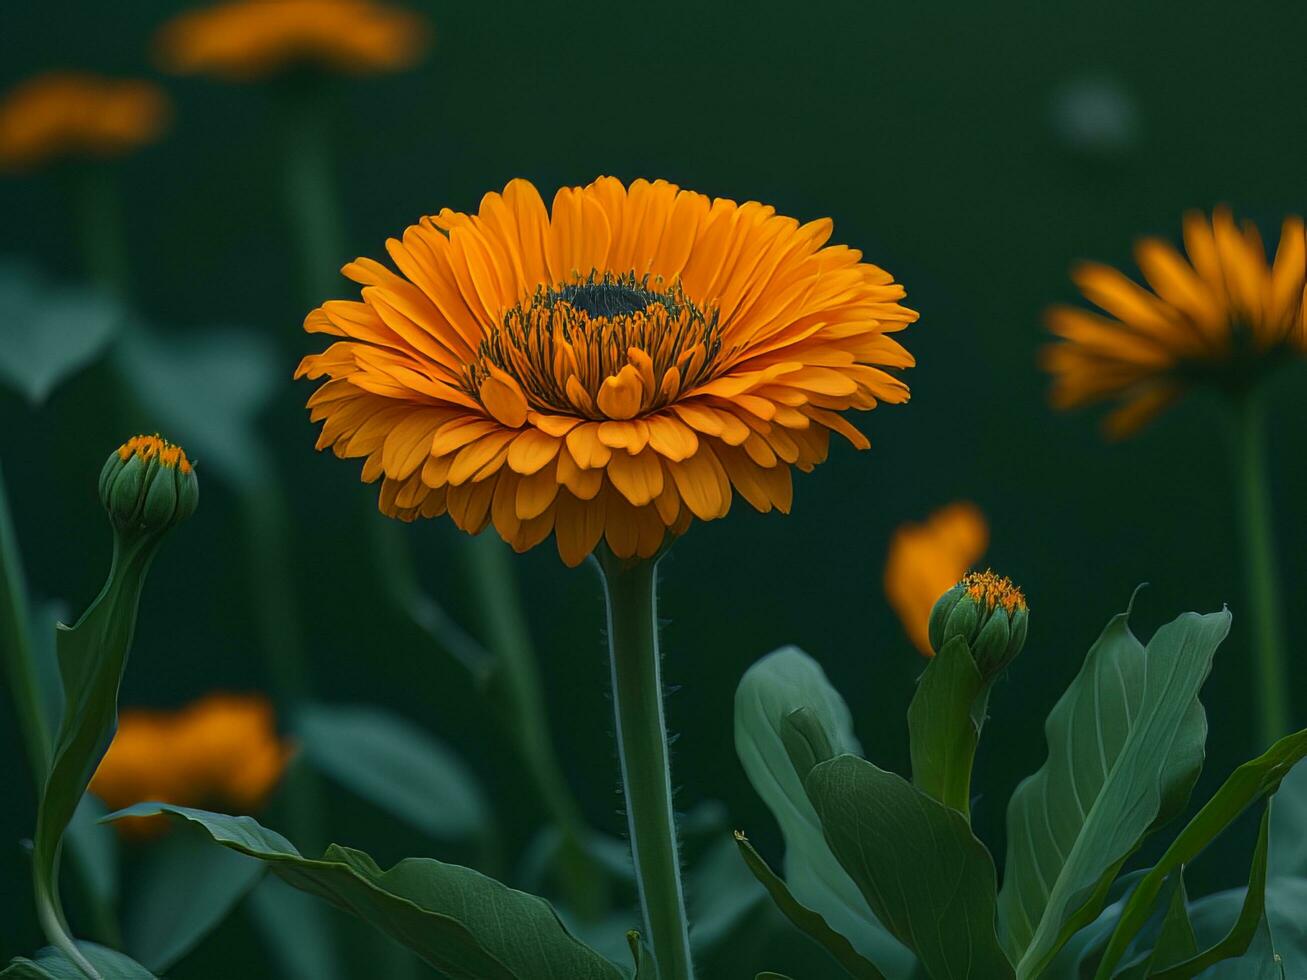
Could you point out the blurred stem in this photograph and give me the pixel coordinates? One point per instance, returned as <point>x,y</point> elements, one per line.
<point>489,565</point>
<point>100,228</point>
<point>310,199</point>
<point>16,637</point>
<point>631,590</point>
<point>1260,567</point>
<point>264,519</point>
<point>319,227</point>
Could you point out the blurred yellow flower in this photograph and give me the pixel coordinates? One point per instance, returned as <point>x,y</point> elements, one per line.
<point>926,560</point>
<point>248,39</point>
<point>610,369</point>
<point>220,751</point>
<point>1222,318</point>
<point>77,114</point>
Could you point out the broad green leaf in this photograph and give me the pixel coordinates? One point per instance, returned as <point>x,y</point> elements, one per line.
<point>48,333</point>
<point>1175,939</point>
<point>1288,818</point>
<point>1247,784</point>
<point>805,919</point>
<point>1125,745</point>
<point>917,863</point>
<point>394,764</point>
<point>458,920</point>
<point>1282,931</point>
<point>780,683</point>
<point>207,389</point>
<point>51,964</point>
<point>168,915</point>
<point>1235,942</point>
<point>1072,959</point>
<point>943,730</point>
<point>297,930</point>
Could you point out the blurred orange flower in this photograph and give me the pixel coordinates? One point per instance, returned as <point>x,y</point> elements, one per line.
<point>64,113</point>
<point>222,750</point>
<point>249,39</point>
<point>926,560</point>
<point>1221,317</point>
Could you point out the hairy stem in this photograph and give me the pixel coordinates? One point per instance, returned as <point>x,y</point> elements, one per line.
<point>630,590</point>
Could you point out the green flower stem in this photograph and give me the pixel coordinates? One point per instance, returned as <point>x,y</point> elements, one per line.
<point>489,565</point>
<point>100,228</point>
<point>1260,569</point>
<point>92,659</point>
<point>266,526</point>
<point>16,640</point>
<point>630,589</point>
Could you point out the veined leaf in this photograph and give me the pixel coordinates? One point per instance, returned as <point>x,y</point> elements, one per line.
<point>805,919</point>
<point>1288,818</point>
<point>917,863</point>
<point>458,920</point>
<point>1247,784</point>
<point>51,964</point>
<point>1175,939</point>
<point>1125,747</point>
<point>777,685</point>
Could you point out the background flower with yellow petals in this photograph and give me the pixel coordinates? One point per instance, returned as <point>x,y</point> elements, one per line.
<point>1222,317</point>
<point>926,560</point>
<point>248,39</point>
<point>610,368</point>
<point>78,114</point>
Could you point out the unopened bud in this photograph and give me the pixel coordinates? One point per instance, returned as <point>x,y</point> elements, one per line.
<point>148,484</point>
<point>987,611</point>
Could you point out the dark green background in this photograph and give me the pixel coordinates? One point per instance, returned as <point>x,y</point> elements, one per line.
<point>927,131</point>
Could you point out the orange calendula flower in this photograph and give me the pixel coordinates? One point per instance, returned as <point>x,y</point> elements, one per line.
<point>78,114</point>
<point>248,39</point>
<point>1221,317</point>
<point>926,560</point>
<point>610,368</point>
<point>222,750</point>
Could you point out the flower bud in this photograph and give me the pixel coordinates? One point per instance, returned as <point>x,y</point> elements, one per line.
<point>987,611</point>
<point>148,484</point>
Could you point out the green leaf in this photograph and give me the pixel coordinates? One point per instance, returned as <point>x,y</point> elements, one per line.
<point>168,915</point>
<point>1175,939</point>
<point>1235,942</point>
<point>48,333</point>
<point>1125,747</point>
<point>297,930</point>
<point>92,657</point>
<point>777,685</point>
<point>1247,784</point>
<point>458,920</point>
<point>644,968</point>
<point>943,730</point>
<point>805,919</point>
<point>917,863</point>
<point>769,975</point>
<point>51,964</point>
<point>394,764</point>
<point>94,848</point>
<point>1288,818</point>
